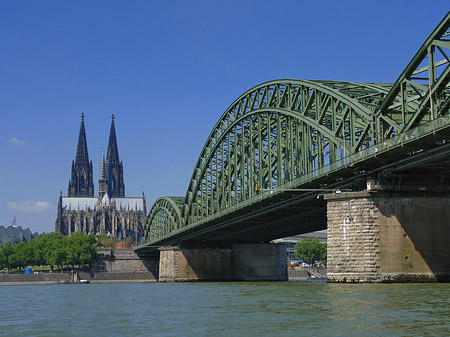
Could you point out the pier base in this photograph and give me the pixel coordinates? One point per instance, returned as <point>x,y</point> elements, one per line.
<point>388,237</point>
<point>240,262</point>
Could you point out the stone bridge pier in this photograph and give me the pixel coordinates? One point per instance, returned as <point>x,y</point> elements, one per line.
<point>238,262</point>
<point>388,237</point>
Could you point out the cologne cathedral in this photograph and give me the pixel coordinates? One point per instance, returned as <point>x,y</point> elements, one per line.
<point>110,213</point>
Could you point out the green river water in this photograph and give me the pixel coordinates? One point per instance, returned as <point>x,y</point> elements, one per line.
<point>226,309</point>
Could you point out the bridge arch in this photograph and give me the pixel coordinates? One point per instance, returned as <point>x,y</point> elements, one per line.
<point>164,218</point>
<point>275,132</point>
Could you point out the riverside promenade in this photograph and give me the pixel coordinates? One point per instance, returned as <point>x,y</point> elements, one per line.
<point>67,277</point>
<point>110,277</point>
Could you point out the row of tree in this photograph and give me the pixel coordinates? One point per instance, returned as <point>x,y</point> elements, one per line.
<point>55,249</point>
<point>310,250</point>
<point>52,249</point>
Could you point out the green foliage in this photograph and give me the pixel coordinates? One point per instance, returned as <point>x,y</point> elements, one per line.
<point>5,252</point>
<point>107,242</point>
<point>310,250</point>
<point>101,237</point>
<point>55,251</point>
<point>81,249</point>
<point>52,249</point>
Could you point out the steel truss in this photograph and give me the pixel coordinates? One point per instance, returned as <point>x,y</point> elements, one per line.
<point>280,131</point>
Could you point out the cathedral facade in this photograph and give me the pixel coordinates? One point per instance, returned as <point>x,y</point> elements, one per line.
<point>108,213</point>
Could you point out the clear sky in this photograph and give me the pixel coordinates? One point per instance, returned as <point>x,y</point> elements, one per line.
<point>167,70</point>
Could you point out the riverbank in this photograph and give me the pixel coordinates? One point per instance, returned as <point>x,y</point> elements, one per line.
<point>305,274</point>
<point>67,277</point>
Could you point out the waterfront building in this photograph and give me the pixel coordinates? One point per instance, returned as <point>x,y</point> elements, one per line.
<point>12,234</point>
<point>110,213</point>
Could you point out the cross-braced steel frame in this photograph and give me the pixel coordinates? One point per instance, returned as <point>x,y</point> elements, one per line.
<point>282,131</point>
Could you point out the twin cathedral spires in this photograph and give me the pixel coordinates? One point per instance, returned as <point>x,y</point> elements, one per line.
<point>108,214</point>
<point>81,183</point>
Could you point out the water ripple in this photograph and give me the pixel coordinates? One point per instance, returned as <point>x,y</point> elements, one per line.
<point>223,309</point>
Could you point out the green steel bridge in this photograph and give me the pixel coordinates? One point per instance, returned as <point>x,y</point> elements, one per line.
<point>283,143</point>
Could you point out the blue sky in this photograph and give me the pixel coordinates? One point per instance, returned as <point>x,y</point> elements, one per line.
<point>167,70</point>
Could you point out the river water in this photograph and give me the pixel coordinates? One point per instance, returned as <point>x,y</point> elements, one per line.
<point>225,309</point>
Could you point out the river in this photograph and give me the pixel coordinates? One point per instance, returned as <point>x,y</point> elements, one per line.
<point>225,309</point>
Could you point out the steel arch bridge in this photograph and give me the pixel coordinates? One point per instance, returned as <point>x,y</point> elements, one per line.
<point>301,136</point>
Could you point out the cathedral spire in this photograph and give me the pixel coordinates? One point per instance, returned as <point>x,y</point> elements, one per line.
<point>116,186</point>
<point>102,181</point>
<point>82,155</point>
<point>81,183</point>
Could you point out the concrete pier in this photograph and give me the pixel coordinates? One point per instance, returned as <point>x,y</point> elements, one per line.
<point>388,237</point>
<point>239,262</point>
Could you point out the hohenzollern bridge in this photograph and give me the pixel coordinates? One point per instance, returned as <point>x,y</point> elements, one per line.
<point>370,162</point>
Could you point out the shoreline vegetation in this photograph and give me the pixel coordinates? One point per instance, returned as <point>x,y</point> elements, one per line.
<point>52,249</point>
<point>79,258</point>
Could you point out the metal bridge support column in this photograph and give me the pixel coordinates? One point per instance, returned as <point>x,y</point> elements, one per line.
<point>388,237</point>
<point>240,262</point>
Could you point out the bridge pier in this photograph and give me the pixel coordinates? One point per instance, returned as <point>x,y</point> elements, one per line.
<point>239,262</point>
<point>388,237</point>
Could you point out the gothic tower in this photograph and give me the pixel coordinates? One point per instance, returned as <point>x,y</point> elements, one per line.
<point>81,183</point>
<point>116,186</point>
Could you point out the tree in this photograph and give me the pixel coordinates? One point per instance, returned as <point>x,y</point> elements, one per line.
<point>310,250</point>
<point>55,252</point>
<point>53,249</point>
<point>89,249</point>
<point>107,242</point>
<point>72,246</point>
<point>81,249</point>
<point>5,255</point>
<point>21,255</point>
<point>38,247</point>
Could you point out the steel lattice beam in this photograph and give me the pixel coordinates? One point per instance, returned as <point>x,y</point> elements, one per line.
<point>287,133</point>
